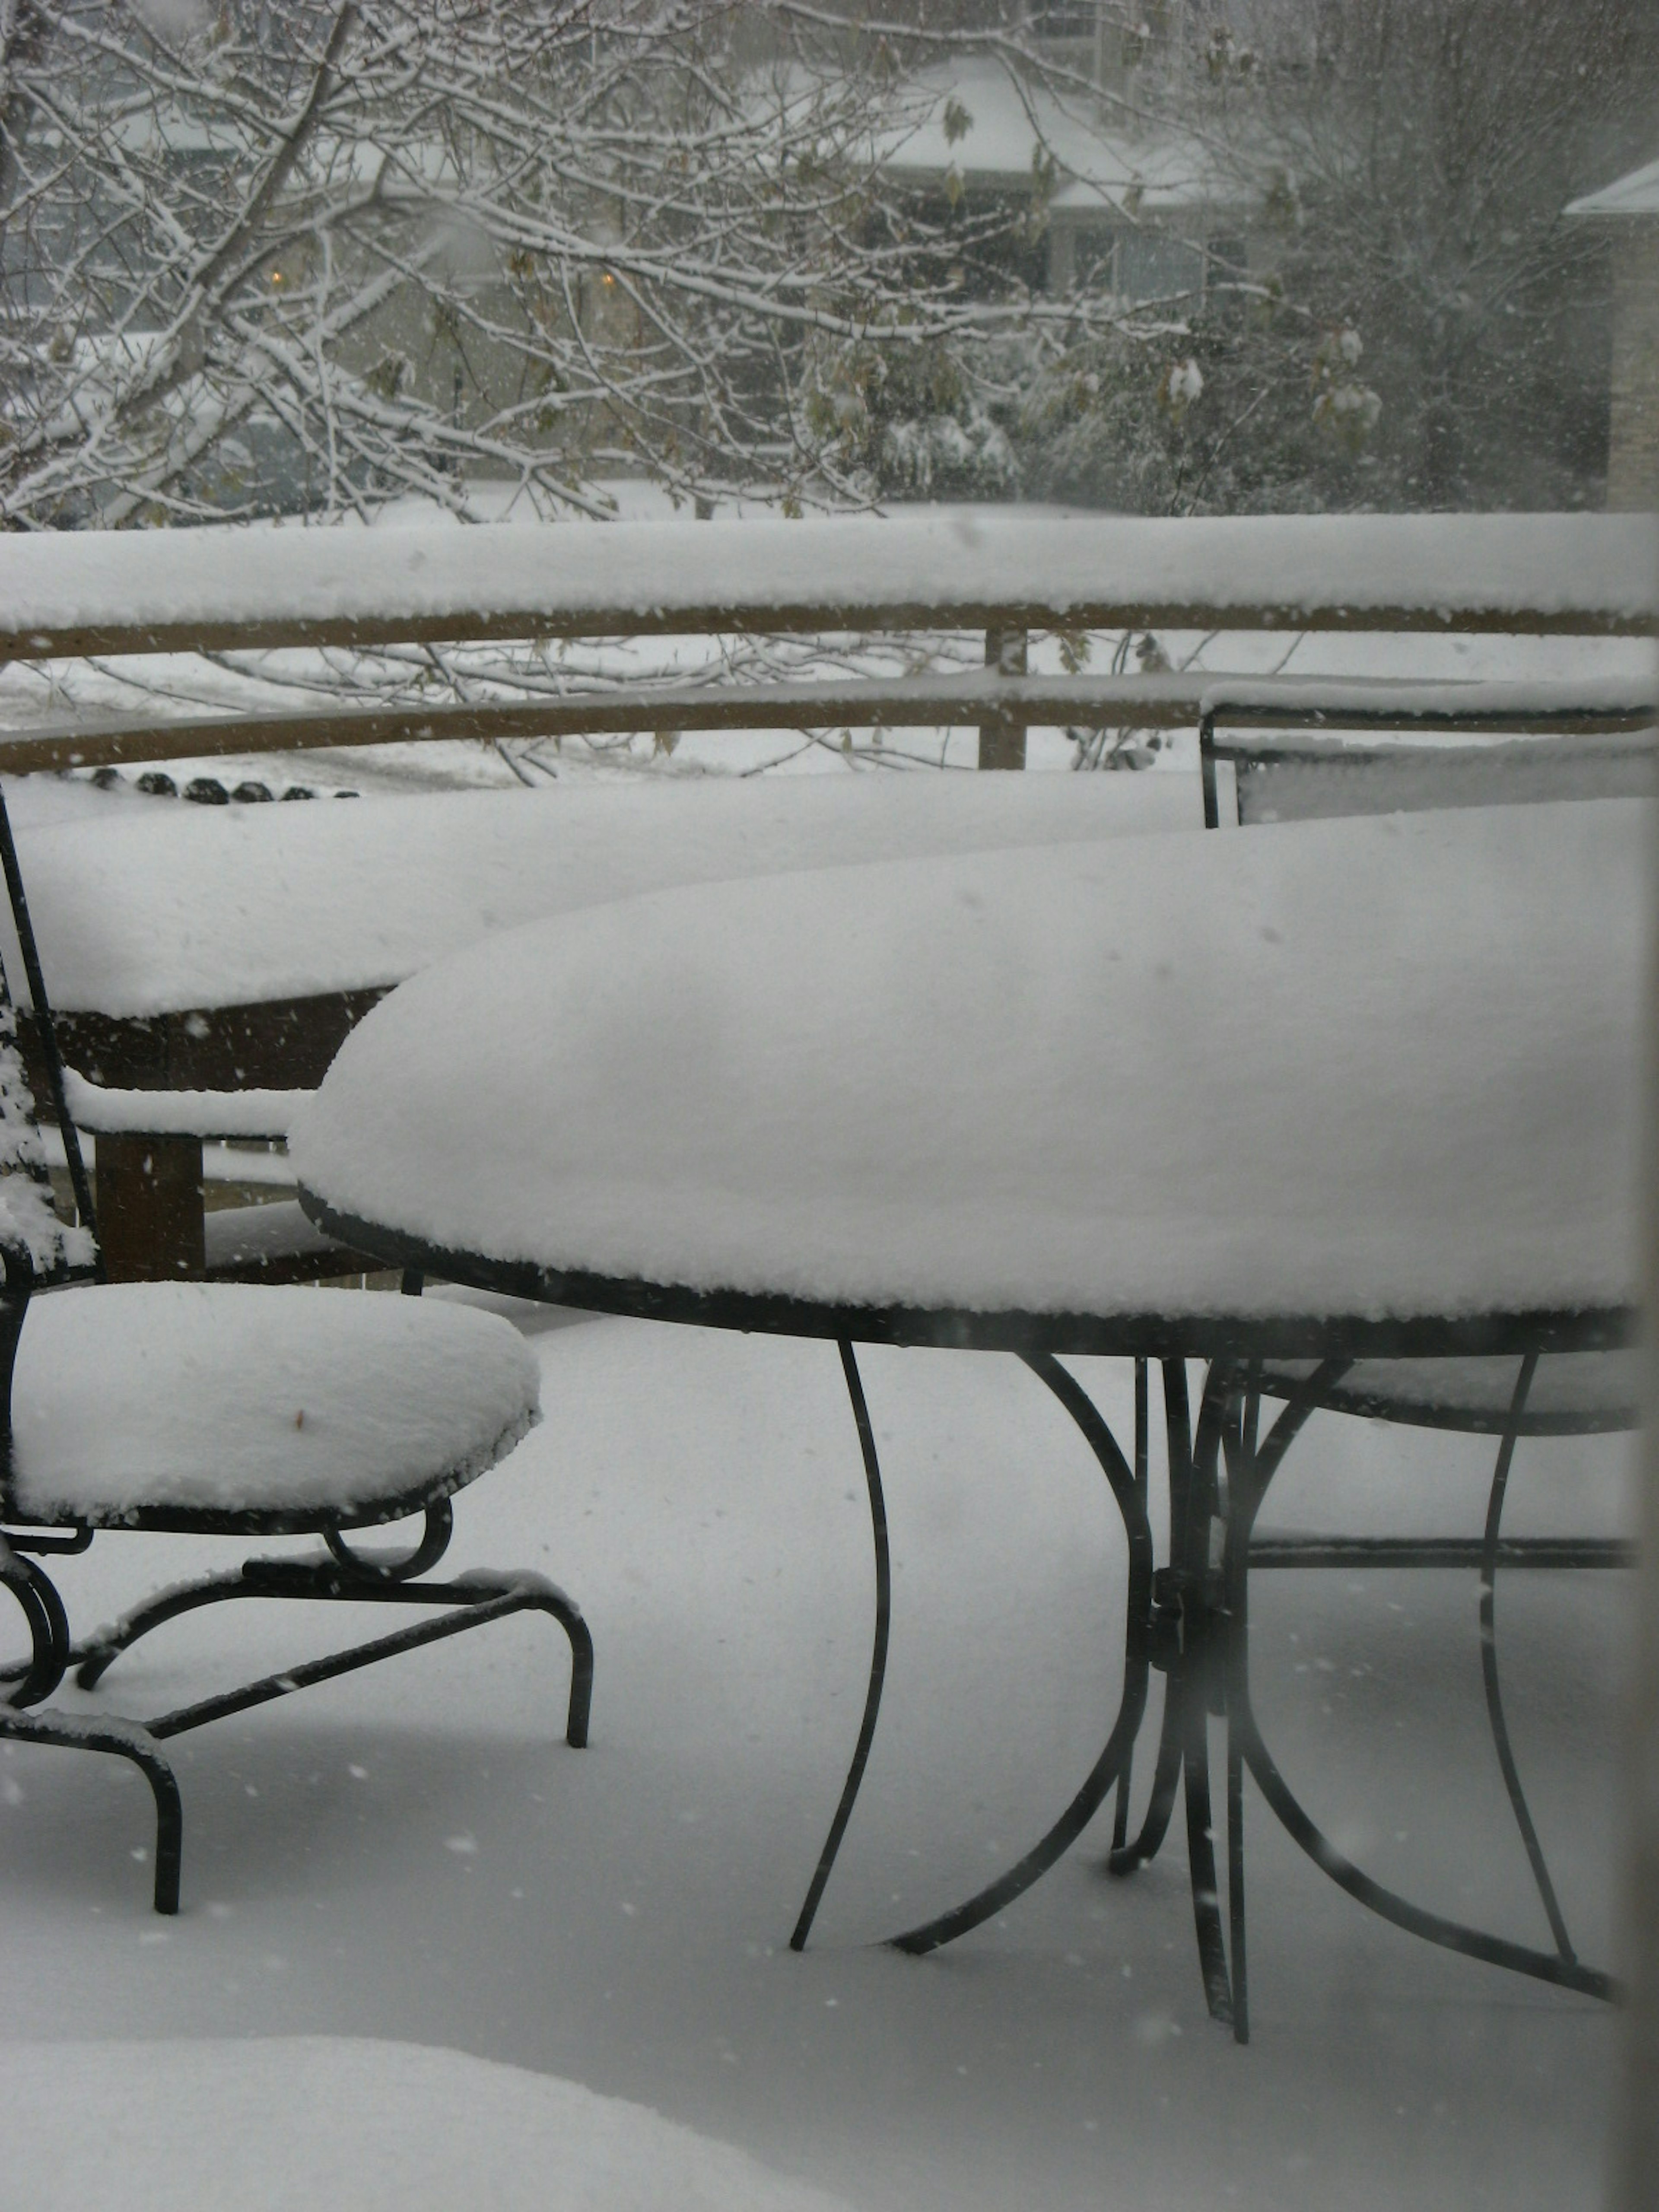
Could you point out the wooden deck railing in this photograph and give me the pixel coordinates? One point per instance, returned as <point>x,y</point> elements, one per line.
<point>145,593</point>
<point>139,593</point>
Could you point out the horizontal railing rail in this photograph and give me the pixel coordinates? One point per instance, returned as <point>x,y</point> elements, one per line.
<point>75,594</point>
<point>1157,702</point>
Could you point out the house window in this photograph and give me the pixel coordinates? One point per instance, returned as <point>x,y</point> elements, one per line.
<point>1149,265</point>
<point>1064,22</point>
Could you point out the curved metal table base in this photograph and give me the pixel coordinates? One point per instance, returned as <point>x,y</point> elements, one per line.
<point>1178,1619</point>
<point>1128,1489</point>
<point>1184,1646</point>
<point>1191,1619</point>
<point>1252,1471</point>
<point>1228,1419</point>
<point>849,1368</point>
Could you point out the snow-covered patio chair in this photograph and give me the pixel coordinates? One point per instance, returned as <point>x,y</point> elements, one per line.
<point>233,1410</point>
<point>1298,769</point>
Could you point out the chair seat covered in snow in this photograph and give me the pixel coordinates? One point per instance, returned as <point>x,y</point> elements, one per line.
<point>1573,1394</point>
<point>225,1409</point>
<point>180,1405</point>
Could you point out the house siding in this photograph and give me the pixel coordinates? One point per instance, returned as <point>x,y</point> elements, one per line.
<point>1633,441</point>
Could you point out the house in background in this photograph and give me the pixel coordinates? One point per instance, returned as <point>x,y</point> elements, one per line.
<point>1629,212</point>
<point>1143,207</point>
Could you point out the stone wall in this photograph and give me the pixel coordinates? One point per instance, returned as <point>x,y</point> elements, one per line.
<point>1633,443</point>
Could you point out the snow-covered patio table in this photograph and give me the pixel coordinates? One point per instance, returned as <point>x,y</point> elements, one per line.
<point>1337,1090</point>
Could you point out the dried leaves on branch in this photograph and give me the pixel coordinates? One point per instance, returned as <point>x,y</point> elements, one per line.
<point>314,256</point>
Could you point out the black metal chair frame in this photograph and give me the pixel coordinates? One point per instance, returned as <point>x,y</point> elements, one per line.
<point>1342,712</point>
<point>340,1574</point>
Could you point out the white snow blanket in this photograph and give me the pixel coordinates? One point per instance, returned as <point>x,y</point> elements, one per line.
<point>293,2123</point>
<point>1375,1066</point>
<point>226,1397</point>
<point>201,907</point>
<point>1571,567</point>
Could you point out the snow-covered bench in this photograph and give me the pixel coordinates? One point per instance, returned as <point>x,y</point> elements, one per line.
<point>217,951</point>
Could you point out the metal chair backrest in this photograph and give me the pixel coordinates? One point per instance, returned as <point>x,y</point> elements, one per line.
<point>29,1221</point>
<point>1300,768</point>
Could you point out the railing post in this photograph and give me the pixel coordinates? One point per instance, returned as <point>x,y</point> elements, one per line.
<point>1002,737</point>
<point>149,1208</point>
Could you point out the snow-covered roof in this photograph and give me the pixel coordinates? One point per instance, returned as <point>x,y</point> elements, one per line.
<point>1011,125</point>
<point>1638,194</point>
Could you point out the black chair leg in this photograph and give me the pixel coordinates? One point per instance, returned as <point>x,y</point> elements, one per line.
<point>1201,1853</point>
<point>129,1741</point>
<point>470,1602</point>
<point>42,1609</point>
<point>1249,1487</point>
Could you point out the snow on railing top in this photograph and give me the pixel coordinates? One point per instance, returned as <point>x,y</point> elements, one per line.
<point>218,588</point>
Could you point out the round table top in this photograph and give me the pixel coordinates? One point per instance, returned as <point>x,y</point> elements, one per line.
<point>1360,1086</point>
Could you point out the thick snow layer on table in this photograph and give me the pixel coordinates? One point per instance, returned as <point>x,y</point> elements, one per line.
<point>1373,1066</point>
<point>199,906</point>
<point>1555,565</point>
<point>297,2124</point>
<point>205,1398</point>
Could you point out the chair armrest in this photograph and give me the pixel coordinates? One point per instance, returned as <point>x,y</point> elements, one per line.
<point>111,1112</point>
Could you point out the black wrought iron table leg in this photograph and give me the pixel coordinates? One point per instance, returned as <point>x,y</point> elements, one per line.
<point>1500,1733</point>
<point>1186,1595</point>
<point>1240,1438</point>
<point>1132,1705</point>
<point>1195,1685</point>
<point>802,1927</point>
<point>1166,1772</point>
<point>1143,1480</point>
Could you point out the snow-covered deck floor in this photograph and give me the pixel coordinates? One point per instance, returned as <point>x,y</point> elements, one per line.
<point>413,1853</point>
